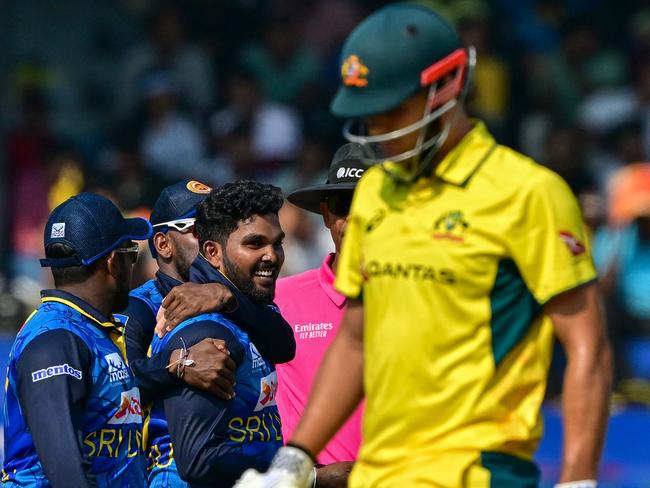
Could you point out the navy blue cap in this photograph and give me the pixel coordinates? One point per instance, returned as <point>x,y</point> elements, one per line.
<point>179,201</point>
<point>92,226</point>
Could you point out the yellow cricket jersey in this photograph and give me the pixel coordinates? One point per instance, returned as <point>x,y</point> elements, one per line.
<point>453,272</point>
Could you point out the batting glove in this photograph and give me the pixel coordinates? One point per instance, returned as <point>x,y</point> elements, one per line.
<point>578,484</point>
<point>291,468</point>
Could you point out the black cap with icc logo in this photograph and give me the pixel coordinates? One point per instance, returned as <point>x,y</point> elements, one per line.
<point>344,173</point>
<point>92,226</point>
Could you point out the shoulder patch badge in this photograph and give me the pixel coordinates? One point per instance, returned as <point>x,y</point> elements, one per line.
<point>575,246</point>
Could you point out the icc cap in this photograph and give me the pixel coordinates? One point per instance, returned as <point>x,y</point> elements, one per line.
<point>178,201</point>
<point>345,171</point>
<point>92,226</point>
<point>383,58</point>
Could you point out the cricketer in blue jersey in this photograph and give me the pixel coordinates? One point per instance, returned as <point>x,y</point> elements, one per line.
<point>174,246</point>
<point>72,415</point>
<point>214,440</point>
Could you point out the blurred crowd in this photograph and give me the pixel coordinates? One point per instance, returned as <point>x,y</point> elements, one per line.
<point>125,97</point>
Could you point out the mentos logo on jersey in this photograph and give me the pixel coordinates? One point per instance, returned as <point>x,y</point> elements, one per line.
<point>117,370</point>
<point>130,411</point>
<point>268,391</point>
<point>60,369</point>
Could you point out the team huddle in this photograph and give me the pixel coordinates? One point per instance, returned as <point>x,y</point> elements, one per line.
<point>416,355</point>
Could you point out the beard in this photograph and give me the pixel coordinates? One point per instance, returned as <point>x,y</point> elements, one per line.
<point>244,282</point>
<point>184,262</point>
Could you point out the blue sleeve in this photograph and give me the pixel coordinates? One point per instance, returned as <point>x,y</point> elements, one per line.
<point>53,382</point>
<point>150,373</point>
<point>267,329</point>
<point>195,419</point>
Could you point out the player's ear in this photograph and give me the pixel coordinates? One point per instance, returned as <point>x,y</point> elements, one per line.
<point>163,245</point>
<point>213,252</point>
<point>111,264</point>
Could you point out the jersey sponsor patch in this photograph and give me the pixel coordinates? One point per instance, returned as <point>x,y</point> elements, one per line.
<point>268,391</point>
<point>258,360</point>
<point>312,330</point>
<point>58,370</point>
<point>58,230</point>
<point>130,411</point>
<point>117,370</point>
<point>575,246</point>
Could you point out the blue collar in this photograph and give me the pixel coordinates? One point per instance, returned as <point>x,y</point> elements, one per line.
<point>84,308</point>
<point>165,283</point>
<point>203,272</point>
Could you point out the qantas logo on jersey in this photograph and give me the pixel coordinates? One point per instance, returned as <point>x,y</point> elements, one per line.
<point>268,391</point>
<point>410,271</point>
<point>575,246</point>
<point>117,370</point>
<point>130,411</point>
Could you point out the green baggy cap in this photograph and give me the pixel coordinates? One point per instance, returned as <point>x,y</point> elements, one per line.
<point>383,58</point>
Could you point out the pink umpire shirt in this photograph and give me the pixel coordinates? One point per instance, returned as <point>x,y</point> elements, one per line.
<point>313,308</point>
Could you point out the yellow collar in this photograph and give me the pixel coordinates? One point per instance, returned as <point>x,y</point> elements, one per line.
<point>469,154</point>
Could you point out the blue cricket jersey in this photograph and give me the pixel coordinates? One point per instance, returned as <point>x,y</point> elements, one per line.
<point>139,319</point>
<point>270,332</point>
<point>72,413</point>
<point>214,441</point>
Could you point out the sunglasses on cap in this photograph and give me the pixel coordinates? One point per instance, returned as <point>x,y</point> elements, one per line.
<point>181,225</point>
<point>131,251</point>
<point>339,203</point>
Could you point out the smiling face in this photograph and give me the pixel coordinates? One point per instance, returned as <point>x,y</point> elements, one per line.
<point>252,256</point>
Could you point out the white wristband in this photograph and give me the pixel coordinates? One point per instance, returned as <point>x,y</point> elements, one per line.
<point>578,484</point>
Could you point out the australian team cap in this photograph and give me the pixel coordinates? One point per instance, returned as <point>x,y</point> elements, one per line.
<point>344,173</point>
<point>92,226</point>
<point>389,57</point>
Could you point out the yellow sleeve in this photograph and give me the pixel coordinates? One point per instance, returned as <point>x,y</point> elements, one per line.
<point>549,242</point>
<point>349,271</point>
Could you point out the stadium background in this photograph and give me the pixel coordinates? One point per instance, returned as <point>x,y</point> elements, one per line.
<point>124,97</point>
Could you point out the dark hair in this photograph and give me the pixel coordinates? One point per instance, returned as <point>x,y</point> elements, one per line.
<point>220,213</point>
<point>69,275</point>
